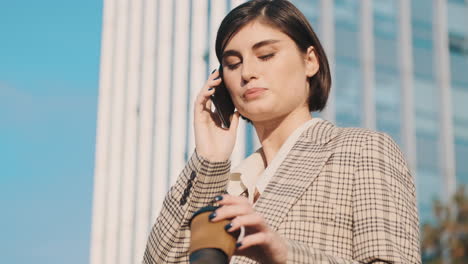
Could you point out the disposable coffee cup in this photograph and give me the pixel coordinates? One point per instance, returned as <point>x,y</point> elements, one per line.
<point>209,241</point>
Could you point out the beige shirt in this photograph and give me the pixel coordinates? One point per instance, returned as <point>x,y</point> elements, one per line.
<point>251,174</point>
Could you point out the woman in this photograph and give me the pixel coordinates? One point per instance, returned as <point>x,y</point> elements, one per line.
<point>315,192</point>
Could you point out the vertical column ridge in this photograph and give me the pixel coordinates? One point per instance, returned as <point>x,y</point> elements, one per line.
<point>442,71</point>
<point>368,69</point>
<point>102,135</point>
<point>143,216</point>
<point>408,131</point>
<point>327,28</point>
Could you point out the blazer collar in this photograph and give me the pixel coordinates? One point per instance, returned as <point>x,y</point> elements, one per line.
<point>297,172</point>
<point>321,133</point>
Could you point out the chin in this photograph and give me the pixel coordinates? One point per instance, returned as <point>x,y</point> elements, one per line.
<point>259,116</point>
<point>260,110</point>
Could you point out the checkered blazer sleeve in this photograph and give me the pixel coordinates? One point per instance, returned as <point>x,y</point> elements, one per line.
<point>385,219</point>
<point>197,185</point>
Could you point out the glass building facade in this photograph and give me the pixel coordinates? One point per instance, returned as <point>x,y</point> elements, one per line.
<point>398,66</point>
<point>458,45</point>
<point>388,71</point>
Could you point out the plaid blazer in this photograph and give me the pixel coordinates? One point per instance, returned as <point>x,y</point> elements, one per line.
<point>342,195</point>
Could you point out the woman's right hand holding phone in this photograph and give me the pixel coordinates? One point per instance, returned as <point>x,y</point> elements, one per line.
<point>211,140</point>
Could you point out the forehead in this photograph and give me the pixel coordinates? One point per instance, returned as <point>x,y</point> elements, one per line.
<point>253,33</point>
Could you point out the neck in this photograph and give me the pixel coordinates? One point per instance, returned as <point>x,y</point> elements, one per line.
<point>273,133</point>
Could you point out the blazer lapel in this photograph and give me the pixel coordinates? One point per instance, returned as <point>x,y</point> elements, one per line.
<point>297,172</point>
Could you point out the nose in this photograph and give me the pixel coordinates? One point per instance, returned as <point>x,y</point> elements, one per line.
<point>249,71</point>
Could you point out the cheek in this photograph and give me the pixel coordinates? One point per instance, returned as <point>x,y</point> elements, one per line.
<point>289,65</point>
<point>291,84</point>
<point>234,91</point>
<point>289,77</point>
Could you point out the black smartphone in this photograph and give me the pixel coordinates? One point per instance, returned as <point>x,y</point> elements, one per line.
<point>223,102</point>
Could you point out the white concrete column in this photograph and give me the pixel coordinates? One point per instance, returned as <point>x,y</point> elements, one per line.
<point>367,62</point>
<point>103,132</point>
<point>405,55</point>
<point>163,82</point>
<point>235,3</point>
<point>131,115</point>
<point>218,9</point>
<point>117,125</point>
<point>198,76</point>
<point>327,29</point>
<point>442,71</point>
<point>143,215</point>
<point>179,75</point>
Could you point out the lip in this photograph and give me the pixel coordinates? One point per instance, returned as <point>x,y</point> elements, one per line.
<point>254,92</point>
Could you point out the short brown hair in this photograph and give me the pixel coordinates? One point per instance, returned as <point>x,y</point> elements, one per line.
<point>286,17</point>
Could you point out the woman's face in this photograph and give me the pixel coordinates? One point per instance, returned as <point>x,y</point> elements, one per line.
<point>266,73</point>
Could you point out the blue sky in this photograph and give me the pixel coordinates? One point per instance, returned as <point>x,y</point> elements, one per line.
<point>49,72</point>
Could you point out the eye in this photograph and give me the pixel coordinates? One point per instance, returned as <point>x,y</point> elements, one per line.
<point>233,66</point>
<point>267,57</point>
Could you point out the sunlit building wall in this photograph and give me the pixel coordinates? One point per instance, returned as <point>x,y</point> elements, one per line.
<point>398,66</point>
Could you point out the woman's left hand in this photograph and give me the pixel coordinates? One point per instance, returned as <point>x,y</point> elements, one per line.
<point>260,243</point>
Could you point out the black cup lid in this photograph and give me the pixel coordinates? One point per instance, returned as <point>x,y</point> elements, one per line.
<point>208,208</point>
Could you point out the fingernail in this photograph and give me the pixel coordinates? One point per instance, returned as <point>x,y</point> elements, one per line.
<point>211,88</point>
<point>218,198</point>
<point>213,71</point>
<point>212,215</point>
<point>228,226</point>
<point>238,244</point>
<point>216,78</point>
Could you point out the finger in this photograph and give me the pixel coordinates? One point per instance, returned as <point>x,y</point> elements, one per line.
<point>213,74</point>
<point>255,239</point>
<point>234,121</point>
<point>206,90</point>
<point>255,221</point>
<point>203,102</point>
<point>214,82</point>
<point>231,211</point>
<point>227,199</point>
<point>208,103</point>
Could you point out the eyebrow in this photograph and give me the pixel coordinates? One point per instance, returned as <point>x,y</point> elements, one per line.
<point>254,47</point>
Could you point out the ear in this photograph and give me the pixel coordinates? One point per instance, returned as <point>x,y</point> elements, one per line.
<point>311,62</point>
